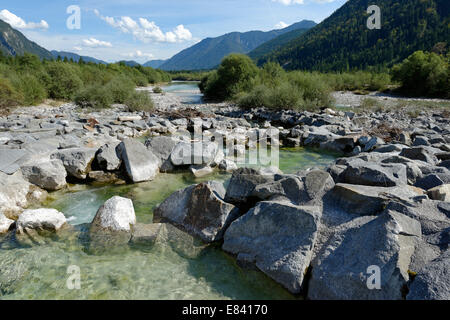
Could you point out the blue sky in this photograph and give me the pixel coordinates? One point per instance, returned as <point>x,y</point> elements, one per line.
<point>144,30</point>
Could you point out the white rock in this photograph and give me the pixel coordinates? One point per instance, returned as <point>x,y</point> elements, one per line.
<point>41,219</point>
<point>116,214</point>
<point>5,223</point>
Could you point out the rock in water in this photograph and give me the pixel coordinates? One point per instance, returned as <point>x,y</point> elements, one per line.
<point>145,234</point>
<point>33,225</point>
<point>198,209</point>
<point>5,223</point>
<point>77,161</point>
<point>49,175</point>
<point>113,223</point>
<point>278,237</point>
<point>346,264</point>
<point>433,282</point>
<point>140,163</point>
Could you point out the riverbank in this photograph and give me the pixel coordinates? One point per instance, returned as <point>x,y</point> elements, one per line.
<point>384,204</point>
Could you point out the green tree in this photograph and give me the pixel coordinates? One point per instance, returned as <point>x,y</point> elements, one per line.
<point>423,74</point>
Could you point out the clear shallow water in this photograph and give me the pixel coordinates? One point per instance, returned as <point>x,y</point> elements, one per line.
<point>157,272</point>
<point>188,91</point>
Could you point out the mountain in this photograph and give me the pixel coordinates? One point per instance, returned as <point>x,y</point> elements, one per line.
<point>274,45</point>
<point>155,64</point>
<point>13,42</point>
<point>75,57</point>
<point>208,53</point>
<point>343,41</point>
<point>131,63</point>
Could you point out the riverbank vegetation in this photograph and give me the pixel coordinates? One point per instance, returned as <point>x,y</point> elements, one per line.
<point>238,79</point>
<point>26,80</point>
<point>424,74</point>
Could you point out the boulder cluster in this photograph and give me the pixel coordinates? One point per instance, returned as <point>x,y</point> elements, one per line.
<point>375,224</point>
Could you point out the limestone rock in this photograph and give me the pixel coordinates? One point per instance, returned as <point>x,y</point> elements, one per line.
<point>140,163</point>
<point>278,238</point>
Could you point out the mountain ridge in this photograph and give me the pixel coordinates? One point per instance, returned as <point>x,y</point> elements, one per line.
<point>209,52</point>
<point>343,42</point>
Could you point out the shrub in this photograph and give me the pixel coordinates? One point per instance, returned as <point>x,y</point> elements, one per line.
<point>31,89</point>
<point>94,96</point>
<point>139,101</point>
<point>315,91</point>
<point>234,75</point>
<point>9,97</point>
<point>157,90</point>
<point>425,74</point>
<point>64,80</point>
<point>120,88</point>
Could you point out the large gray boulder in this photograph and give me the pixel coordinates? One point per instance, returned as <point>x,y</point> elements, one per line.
<point>419,153</point>
<point>198,209</point>
<point>77,161</point>
<point>140,163</point>
<point>49,175</point>
<point>367,200</point>
<point>107,157</point>
<point>242,184</point>
<point>277,237</point>
<point>372,174</point>
<point>162,146</point>
<point>113,223</point>
<point>433,282</point>
<point>345,265</point>
<point>299,190</point>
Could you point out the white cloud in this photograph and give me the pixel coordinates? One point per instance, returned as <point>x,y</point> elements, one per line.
<point>77,48</point>
<point>19,23</point>
<point>281,25</point>
<point>145,30</point>
<point>94,43</point>
<point>139,54</point>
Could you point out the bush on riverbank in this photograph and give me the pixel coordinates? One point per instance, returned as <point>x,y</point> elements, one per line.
<point>240,80</point>
<point>139,101</point>
<point>26,80</point>
<point>424,74</point>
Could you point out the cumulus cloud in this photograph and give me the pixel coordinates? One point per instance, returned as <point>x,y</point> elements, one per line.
<point>94,43</point>
<point>19,23</point>
<point>139,54</point>
<point>77,48</point>
<point>281,25</point>
<point>145,30</point>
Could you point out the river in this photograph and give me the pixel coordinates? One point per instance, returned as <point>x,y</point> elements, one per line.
<point>158,272</point>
